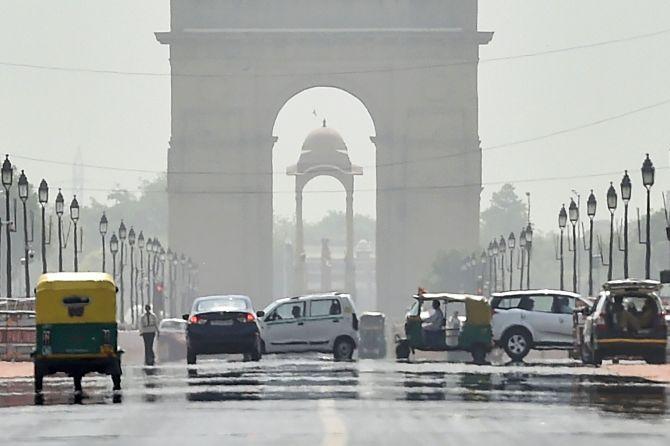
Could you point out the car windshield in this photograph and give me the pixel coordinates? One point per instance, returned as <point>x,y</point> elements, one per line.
<point>231,303</point>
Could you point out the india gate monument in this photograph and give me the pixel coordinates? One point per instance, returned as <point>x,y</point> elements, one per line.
<point>235,63</point>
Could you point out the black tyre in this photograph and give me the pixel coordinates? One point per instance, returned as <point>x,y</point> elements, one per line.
<point>656,358</point>
<point>343,349</point>
<point>478,354</point>
<point>39,378</point>
<point>517,343</point>
<point>116,381</point>
<point>402,350</point>
<point>257,352</point>
<point>77,383</point>
<point>191,357</point>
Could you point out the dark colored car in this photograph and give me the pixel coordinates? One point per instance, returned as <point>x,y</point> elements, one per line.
<point>627,321</point>
<point>222,324</point>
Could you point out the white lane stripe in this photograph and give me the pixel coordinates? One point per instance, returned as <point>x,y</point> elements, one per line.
<point>334,429</point>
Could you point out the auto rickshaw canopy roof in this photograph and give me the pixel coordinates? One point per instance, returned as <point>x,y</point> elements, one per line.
<point>63,298</point>
<point>478,310</point>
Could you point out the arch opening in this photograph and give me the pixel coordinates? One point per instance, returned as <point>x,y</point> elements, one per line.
<point>324,197</point>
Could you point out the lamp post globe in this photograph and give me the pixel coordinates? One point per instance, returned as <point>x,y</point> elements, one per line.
<point>60,203</point>
<point>529,234</point>
<point>23,186</point>
<point>626,188</point>
<point>74,210</point>
<point>114,244</point>
<point>562,217</point>
<point>43,192</point>
<point>573,212</point>
<point>612,198</point>
<point>495,247</point>
<point>511,241</point>
<point>591,205</point>
<point>502,244</point>
<point>102,227</point>
<point>522,238</point>
<point>648,172</point>
<point>123,232</point>
<point>7,173</point>
<point>131,236</point>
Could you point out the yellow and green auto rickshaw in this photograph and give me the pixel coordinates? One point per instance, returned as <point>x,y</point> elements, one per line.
<point>467,326</point>
<point>76,329</point>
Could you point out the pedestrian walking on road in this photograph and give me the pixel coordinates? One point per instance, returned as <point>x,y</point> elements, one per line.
<point>148,331</point>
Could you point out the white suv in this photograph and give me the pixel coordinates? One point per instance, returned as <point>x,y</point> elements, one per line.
<point>314,323</point>
<point>533,319</point>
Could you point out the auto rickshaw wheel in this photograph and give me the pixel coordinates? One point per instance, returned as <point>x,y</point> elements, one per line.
<point>77,383</point>
<point>39,378</point>
<point>402,349</point>
<point>116,381</point>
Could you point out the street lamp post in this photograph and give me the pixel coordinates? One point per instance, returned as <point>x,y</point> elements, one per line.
<point>591,205</point>
<point>625,196</point>
<point>150,247</point>
<point>23,195</point>
<point>573,212</point>
<point>161,261</point>
<point>60,208</point>
<point>131,242</point>
<point>489,252</point>
<point>74,215</point>
<point>122,236</point>
<point>114,248</point>
<point>648,172</point>
<point>7,179</point>
<point>103,231</point>
<point>611,205</point>
<point>562,222</point>
<point>495,264</point>
<point>140,246</point>
<point>43,197</point>
<point>522,249</point>
<point>511,244</point>
<point>502,246</point>
<point>171,303</point>
<point>529,247</point>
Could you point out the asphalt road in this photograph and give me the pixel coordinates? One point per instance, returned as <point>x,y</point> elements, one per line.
<point>312,400</point>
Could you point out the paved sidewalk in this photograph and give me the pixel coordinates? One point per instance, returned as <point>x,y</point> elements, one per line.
<point>15,369</point>
<point>659,373</point>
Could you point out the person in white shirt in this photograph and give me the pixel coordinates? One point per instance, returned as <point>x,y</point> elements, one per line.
<point>433,324</point>
<point>148,331</point>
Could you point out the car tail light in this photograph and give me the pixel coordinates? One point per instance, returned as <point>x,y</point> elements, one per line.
<point>354,322</point>
<point>46,337</point>
<point>195,319</point>
<point>251,317</point>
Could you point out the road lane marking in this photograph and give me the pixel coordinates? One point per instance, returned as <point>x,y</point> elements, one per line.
<point>334,428</point>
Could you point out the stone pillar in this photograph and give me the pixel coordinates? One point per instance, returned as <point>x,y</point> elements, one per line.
<point>299,280</point>
<point>350,271</point>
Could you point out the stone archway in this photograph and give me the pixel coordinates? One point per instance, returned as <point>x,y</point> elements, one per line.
<point>235,64</point>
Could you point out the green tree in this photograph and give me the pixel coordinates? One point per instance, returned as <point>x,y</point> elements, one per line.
<point>506,212</point>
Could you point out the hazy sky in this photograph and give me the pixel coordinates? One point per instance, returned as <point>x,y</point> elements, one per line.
<point>124,121</point>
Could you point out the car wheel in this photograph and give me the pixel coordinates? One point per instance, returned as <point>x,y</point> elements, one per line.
<point>402,350</point>
<point>343,349</point>
<point>191,357</point>
<point>77,383</point>
<point>517,343</point>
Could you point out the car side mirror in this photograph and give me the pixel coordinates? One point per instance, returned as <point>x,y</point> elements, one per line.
<point>185,317</point>
<point>260,313</point>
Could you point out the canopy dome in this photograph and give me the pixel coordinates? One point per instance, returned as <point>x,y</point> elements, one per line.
<point>324,139</point>
<point>324,151</point>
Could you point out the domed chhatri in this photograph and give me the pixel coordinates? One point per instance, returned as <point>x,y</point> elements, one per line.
<point>324,151</point>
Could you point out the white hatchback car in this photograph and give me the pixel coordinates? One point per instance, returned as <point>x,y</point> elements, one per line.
<point>315,323</point>
<point>533,319</point>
